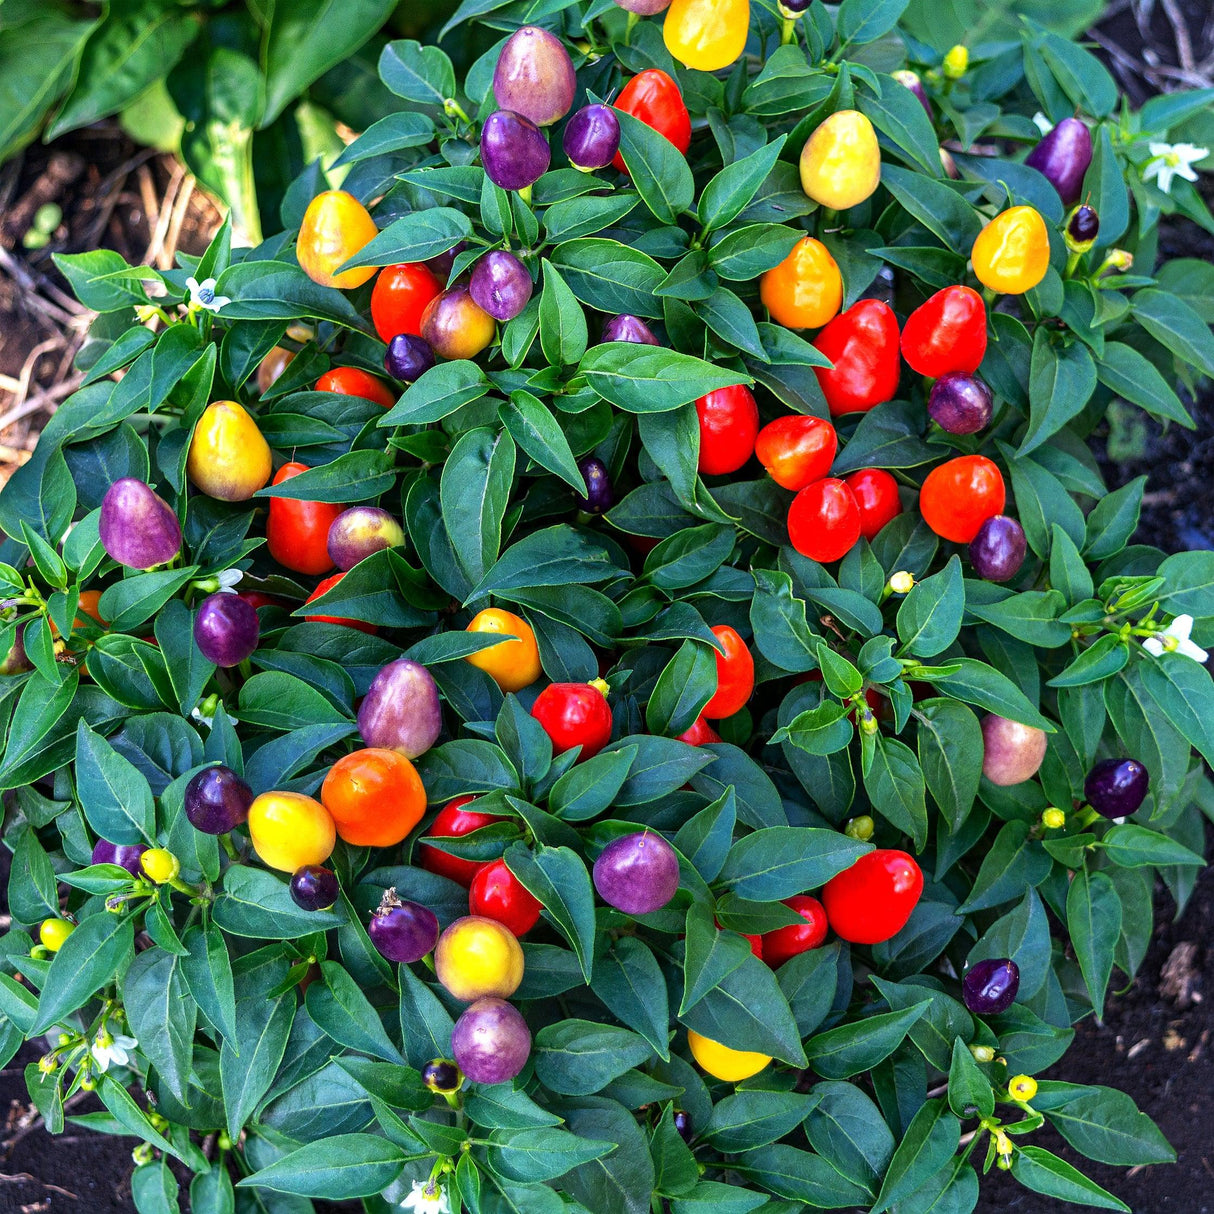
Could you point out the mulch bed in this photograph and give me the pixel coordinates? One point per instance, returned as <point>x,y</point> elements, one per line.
<point>1155,1042</point>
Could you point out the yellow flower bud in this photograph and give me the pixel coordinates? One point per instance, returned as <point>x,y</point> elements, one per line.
<point>956,62</point>
<point>902,582</point>
<point>982,1053</point>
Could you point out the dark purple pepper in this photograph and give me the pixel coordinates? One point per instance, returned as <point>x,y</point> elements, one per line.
<point>1063,157</point>
<point>403,931</point>
<point>626,327</point>
<point>1083,226</point>
<point>998,550</point>
<point>442,1075</point>
<point>1115,788</point>
<point>500,285</point>
<point>226,628</point>
<point>795,7</point>
<point>125,855</point>
<point>960,403</point>
<point>138,527</point>
<point>682,1124</point>
<point>217,800</point>
<point>441,263</point>
<point>408,358</point>
<point>592,138</point>
<point>314,887</point>
<point>911,81</point>
<point>990,987</point>
<point>599,495</point>
<point>514,150</point>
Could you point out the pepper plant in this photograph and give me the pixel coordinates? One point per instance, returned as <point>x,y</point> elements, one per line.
<point>463,763</point>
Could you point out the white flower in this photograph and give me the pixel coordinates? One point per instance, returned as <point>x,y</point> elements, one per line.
<point>107,1048</point>
<point>230,578</point>
<point>1170,160</point>
<point>202,295</point>
<point>1042,123</point>
<point>1175,639</point>
<point>428,1197</point>
<point>201,717</point>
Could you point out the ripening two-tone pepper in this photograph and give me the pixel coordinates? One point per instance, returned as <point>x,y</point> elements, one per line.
<point>1012,253</point>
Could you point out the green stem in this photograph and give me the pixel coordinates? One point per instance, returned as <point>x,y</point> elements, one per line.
<point>633,18</point>
<point>988,294</point>
<point>1072,264</point>
<point>525,194</point>
<point>788,30</point>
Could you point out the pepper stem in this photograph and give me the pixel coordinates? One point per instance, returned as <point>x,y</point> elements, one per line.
<point>787,30</point>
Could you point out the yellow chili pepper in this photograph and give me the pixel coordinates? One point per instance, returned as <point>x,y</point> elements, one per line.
<point>841,161</point>
<point>707,34</point>
<point>1012,253</point>
<point>806,289</point>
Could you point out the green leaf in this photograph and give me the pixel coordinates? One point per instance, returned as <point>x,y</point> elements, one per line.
<point>941,209</point>
<point>969,1090</point>
<point>1013,862</point>
<point>414,237</point>
<point>90,957</point>
<point>1132,846</point>
<point>162,1015</point>
<point>421,74</point>
<point>558,878</point>
<point>474,491</point>
<point>898,115</point>
<point>851,1048</point>
<point>751,1119</point>
<point>563,331</point>
<point>929,618</point>
<point>207,970</point>
<point>1042,1172</point>
<point>580,1057</point>
<point>114,794</point>
<point>745,253</point>
<point>802,1177</point>
<point>950,754</point>
<point>929,1143</point>
<point>780,861</point>
<point>704,839</point>
<point>255,903</point>
<point>437,394</point>
<point>686,684</point>
<point>619,1181</point>
<point>982,685</point>
<point>340,1167</point>
<point>338,1005</point>
<point>658,169</point>
<point>554,556</point>
<point>1093,918</point>
<point>1061,381</point>
<point>894,782</point>
<point>629,980</point>
<point>728,194</point>
<point>649,379</point>
<point>1103,1124</point>
<point>1031,616</point>
<point>611,276</point>
<point>356,476</point>
<point>537,1153</point>
<point>1176,327</point>
<point>587,789</point>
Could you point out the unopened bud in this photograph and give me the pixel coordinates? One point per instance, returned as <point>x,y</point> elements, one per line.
<point>868,721</point>
<point>1117,259</point>
<point>982,1053</point>
<point>956,62</point>
<point>901,582</point>
<point>860,828</point>
<point>1053,818</point>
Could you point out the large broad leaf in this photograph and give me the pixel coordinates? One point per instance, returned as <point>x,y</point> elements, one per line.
<point>649,379</point>
<point>339,1168</point>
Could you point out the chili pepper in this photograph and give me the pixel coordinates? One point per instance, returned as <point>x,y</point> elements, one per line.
<point>824,520</point>
<point>400,295</point>
<point>724,1062</point>
<point>805,290</point>
<point>960,403</point>
<point>592,138</point>
<point>514,150</point>
<point>575,714</point>
<point>863,345</point>
<point>735,675</point>
<point>707,34</point>
<point>960,495</point>
<point>375,797</point>
<point>1115,788</point>
<point>947,333</point>
<point>653,98</point>
<point>797,450</point>
<point>990,987</point>
<point>453,822</point>
<point>335,227</point>
<point>455,326</point>
<point>784,943</point>
<point>1063,157</point>
<point>876,494</point>
<point>476,957</point>
<point>872,901</point>
<point>1011,752</point>
<point>534,76</point>
<point>1012,253</point>
<point>324,587</point>
<point>408,357</point>
<point>911,81</point>
<point>841,161</point>
<point>353,381</point>
<point>998,550</point>
<point>513,664</point>
<point>290,830</point>
<point>729,424</point>
<point>297,533</point>
<point>496,893</point>
<point>1082,228</point>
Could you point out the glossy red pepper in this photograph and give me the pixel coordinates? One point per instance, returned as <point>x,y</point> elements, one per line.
<point>872,901</point>
<point>297,533</point>
<point>735,675</point>
<point>863,345</point>
<point>496,893</point>
<point>453,822</point>
<point>352,381</point>
<point>323,588</point>
<point>824,520</point>
<point>947,333</point>
<point>876,494</point>
<point>787,942</point>
<point>655,99</point>
<point>729,425</point>
<point>960,495</point>
<point>575,714</point>
<point>699,733</point>
<point>797,450</point>
<point>400,295</point>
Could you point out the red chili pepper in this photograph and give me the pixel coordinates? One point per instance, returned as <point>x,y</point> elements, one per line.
<point>797,450</point>
<point>960,495</point>
<point>872,900</point>
<point>735,675</point>
<point>324,588</point>
<point>729,425</point>
<point>575,714</point>
<point>863,345</point>
<point>699,733</point>
<point>297,533</point>
<point>351,381</point>
<point>655,99</point>
<point>824,520</point>
<point>400,295</point>
<point>876,494</point>
<point>787,942</point>
<point>496,893</point>
<point>947,333</point>
<point>454,821</point>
